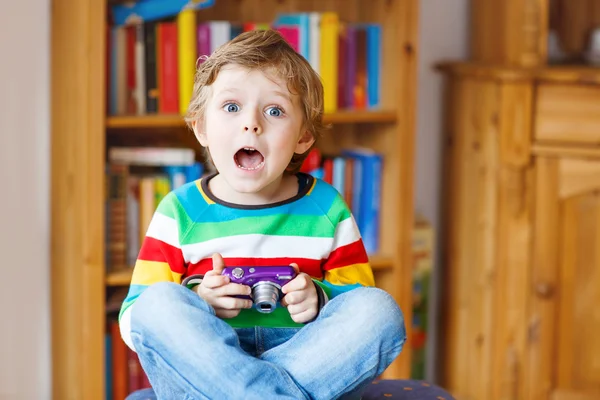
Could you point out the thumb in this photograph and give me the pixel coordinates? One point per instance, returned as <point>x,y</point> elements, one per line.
<point>296,267</point>
<point>218,263</point>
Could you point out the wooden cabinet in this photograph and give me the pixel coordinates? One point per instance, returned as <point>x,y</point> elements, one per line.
<point>566,276</point>
<point>521,260</point>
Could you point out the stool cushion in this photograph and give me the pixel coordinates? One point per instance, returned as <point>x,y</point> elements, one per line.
<point>404,390</point>
<point>378,390</point>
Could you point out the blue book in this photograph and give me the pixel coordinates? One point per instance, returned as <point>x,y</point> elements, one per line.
<point>373,65</point>
<point>194,172</point>
<point>152,10</point>
<point>339,174</point>
<point>108,384</point>
<point>369,195</point>
<point>302,21</point>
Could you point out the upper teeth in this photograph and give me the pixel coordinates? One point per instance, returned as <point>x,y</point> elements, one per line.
<point>248,148</point>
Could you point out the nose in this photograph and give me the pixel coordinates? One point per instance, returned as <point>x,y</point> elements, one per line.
<point>251,121</point>
<point>254,128</point>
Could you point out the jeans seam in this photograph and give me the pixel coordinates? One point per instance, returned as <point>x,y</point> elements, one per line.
<point>157,354</point>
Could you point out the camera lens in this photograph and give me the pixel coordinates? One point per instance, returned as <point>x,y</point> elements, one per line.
<point>265,296</point>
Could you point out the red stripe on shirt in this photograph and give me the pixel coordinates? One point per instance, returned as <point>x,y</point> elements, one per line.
<point>353,253</point>
<point>157,250</point>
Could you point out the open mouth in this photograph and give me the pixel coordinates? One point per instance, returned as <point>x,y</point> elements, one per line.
<point>249,159</point>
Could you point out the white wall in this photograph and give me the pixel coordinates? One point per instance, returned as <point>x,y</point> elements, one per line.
<point>24,203</point>
<point>443,36</point>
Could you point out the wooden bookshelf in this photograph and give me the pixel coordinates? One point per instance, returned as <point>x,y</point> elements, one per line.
<point>176,121</point>
<point>80,131</point>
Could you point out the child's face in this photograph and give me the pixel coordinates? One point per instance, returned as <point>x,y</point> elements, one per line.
<point>252,128</point>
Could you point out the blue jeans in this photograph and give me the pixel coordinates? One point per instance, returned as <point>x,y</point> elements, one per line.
<point>189,353</point>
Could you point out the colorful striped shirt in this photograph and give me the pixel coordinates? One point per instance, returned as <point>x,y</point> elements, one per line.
<point>314,229</point>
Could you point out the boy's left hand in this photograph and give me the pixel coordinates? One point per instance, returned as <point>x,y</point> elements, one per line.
<point>300,297</point>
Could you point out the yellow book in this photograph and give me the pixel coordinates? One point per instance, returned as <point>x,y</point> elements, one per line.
<point>330,26</point>
<point>186,56</point>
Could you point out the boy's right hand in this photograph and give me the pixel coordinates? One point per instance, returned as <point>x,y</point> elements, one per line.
<point>217,291</point>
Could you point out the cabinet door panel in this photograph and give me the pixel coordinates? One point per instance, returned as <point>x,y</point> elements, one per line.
<point>565,318</point>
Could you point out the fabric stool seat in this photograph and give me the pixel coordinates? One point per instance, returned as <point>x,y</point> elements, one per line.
<point>378,390</point>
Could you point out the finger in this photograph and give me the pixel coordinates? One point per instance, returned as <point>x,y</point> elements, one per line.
<point>295,309</point>
<point>231,303</point>
<point>233,289</point>
<point>304,317</point>
<point>221,313</point>
<point>300,282</point>
<point>218,263</point>
<point>293,298</point>
<point>214,281</point>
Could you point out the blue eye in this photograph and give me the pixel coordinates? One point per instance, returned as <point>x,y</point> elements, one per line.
<point>231,107</point>
<point>275,111</point>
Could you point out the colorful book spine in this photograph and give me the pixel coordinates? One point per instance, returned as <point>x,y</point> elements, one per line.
<point>351,63</point>
<point>152,98</point>
<point>203,41</point>
<point>300,22</point>
<point>329,59</point>
<point>151,10</point>
<point>186,51</point>
<point>140,69</point>
<point>373,65</point>
<point>367,195</point>
<point>168,68</point>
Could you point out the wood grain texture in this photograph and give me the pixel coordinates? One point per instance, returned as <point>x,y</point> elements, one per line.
<point>568,114</point>
<point>488,236</point>
<point>509,32</point>
<point>77,87</point>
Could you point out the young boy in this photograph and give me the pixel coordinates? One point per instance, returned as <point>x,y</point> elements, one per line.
<point>257,107</point>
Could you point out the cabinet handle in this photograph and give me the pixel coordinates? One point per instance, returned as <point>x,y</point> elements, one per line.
<point>544,290</point>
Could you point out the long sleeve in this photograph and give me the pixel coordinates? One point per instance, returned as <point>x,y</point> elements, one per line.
<point>347,266</point>
<point>160,259</point>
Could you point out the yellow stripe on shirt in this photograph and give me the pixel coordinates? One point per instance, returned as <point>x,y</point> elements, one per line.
<point>204,196</point>
<point>351,274</point>
<point>149,272</point>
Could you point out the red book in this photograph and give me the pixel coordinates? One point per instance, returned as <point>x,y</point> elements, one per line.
<point>312,161</point>
<point>328,170</point>
<point>135,371</point>
<point>119,363</point>
<point>168,86</point>
<point>130,63</point>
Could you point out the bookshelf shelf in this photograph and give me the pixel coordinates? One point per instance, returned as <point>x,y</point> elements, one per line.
<point>176,121</point>
<point>122,277</point>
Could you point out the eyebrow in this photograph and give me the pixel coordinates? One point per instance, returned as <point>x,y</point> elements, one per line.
<point>279,93</point>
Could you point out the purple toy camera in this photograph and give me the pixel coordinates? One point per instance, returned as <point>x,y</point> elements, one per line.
<point>266,283</point>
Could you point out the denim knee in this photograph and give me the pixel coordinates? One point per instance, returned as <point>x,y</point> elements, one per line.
<point>158,305</point>
<point>376,308</point>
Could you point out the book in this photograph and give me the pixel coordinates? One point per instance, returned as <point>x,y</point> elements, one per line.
<point>368,167</point>
<point>187,54</point>
<point>135,12</point>
<point>151,156</point>
<point>329,59</point>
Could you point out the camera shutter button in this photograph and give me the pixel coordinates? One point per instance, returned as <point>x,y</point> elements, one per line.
<point>237,272</point>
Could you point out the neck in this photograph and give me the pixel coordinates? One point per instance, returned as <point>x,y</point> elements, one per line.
<point>283,188</point>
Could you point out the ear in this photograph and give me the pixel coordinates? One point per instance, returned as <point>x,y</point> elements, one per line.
<point>304,143</point>
<point>199,132</point>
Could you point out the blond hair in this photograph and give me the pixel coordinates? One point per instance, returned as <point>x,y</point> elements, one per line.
<point>264,50</point>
